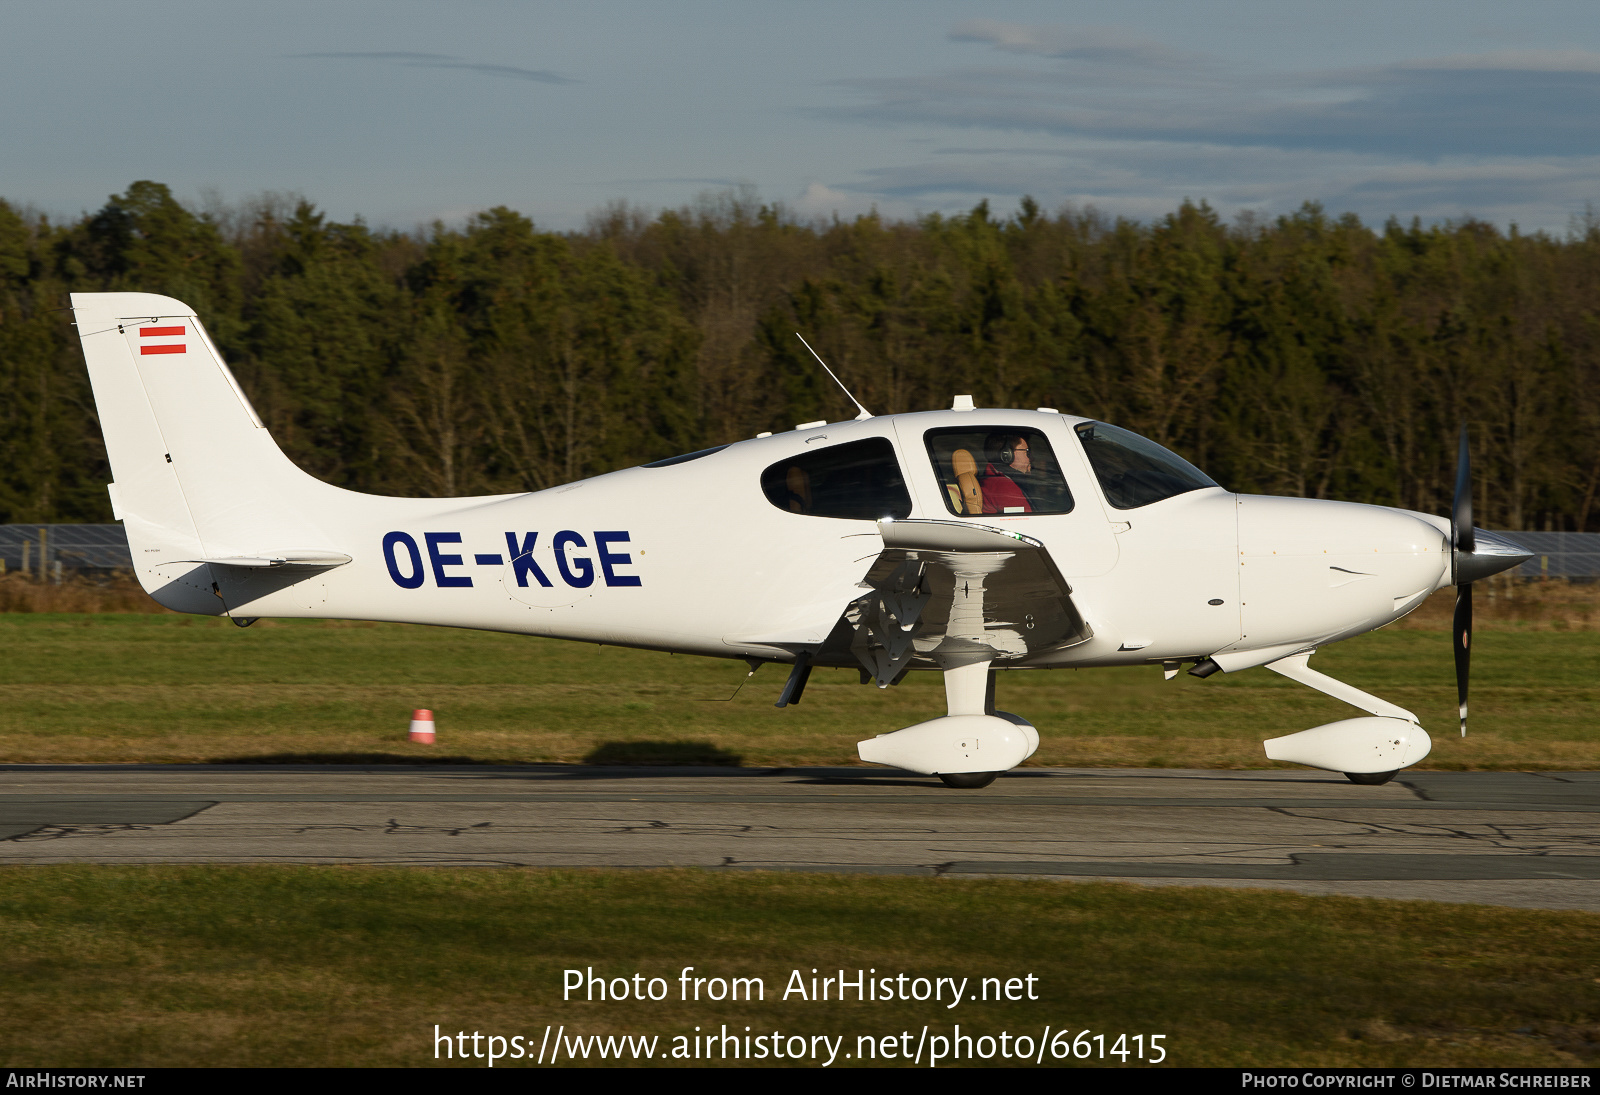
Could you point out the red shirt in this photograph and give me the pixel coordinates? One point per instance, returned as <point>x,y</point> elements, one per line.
<point>1000,492</point>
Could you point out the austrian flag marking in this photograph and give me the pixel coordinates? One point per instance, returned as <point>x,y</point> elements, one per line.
<point>162,348</point>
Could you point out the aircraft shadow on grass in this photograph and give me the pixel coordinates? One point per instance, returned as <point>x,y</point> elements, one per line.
<point>695,754</point>
<point>399,760</point>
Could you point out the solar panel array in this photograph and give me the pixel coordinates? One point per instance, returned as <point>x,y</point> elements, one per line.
<point>78,547</point>
<point>1559,554</point>
<point>105,547</point>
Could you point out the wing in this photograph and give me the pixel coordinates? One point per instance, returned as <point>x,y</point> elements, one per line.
<point>949,593</point>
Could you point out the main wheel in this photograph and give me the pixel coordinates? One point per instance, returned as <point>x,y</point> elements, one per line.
<point>1371,779</point>
<point>968,780</point>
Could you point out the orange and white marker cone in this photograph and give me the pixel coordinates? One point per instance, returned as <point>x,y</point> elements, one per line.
<point>422,726</point>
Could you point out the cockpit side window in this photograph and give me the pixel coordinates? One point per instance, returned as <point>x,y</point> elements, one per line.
<point>1134,471</point>
<point>997,470</point>
<point>858,481</point>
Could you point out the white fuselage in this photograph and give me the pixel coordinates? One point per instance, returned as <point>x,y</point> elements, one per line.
<point>693,557</point>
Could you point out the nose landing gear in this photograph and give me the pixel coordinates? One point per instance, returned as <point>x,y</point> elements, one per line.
<point>968,780</point>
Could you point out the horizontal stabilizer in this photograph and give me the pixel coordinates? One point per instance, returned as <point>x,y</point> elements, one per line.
<point>309,560</point>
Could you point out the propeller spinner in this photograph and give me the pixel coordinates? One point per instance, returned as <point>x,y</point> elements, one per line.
<point>1474,554</point>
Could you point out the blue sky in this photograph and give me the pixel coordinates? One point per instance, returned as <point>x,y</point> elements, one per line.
<point>404,112</point>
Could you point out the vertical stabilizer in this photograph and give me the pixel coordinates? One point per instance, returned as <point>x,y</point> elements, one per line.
<point>196,474</point>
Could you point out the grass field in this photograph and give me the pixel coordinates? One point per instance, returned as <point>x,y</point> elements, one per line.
<point>168,688</point>
<point>132,966</point>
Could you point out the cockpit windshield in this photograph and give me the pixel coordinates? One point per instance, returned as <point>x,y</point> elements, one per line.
<point>1134,471</point>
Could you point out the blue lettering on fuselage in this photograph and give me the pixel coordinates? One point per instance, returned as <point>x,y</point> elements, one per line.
<point>522,558</point>
<point>404,559</point>
<point>584,576</point>
<point>610,559</point>
<point>440,560</point>
<point>404,581</point>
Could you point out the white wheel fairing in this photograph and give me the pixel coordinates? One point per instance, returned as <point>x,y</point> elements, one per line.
<point>951,744</point>
<point>1371,744</point>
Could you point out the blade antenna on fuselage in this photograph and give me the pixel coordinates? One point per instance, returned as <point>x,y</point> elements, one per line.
<point>865,414</point>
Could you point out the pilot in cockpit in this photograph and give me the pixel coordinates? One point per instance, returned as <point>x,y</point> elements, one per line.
<point>1008,458</point>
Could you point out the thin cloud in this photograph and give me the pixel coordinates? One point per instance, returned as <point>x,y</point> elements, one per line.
<point>820,200</point>
<point>445,60</point>
<point>383,56</point>
<point>1142,179</point>
<point>1525,60</point>
<point>1102,44</point>
<point>725,181</point>
<point>1103,83</point>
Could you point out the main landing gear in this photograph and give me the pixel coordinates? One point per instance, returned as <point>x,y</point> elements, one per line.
<point>967,748</point>
<point>1371,779</point>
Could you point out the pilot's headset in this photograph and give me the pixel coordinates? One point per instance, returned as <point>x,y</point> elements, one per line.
<point>999,447</point>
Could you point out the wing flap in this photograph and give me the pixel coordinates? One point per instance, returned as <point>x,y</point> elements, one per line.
<point>931,535</point>
<point>949,593</point>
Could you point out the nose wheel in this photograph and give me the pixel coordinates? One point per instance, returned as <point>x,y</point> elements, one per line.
<point>1371,779</point>
<point>972,780</point>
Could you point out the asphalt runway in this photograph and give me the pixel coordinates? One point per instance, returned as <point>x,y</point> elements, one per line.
<point>1529,839</point>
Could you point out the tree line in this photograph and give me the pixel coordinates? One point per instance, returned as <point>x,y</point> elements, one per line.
<point>1306,355</point>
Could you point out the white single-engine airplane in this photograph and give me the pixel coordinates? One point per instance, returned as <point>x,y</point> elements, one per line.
<point>963,541</point>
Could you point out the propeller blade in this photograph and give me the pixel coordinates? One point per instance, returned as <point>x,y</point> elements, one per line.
<point>1461,633</point>
<point>1462,538</point>
<point>1463,542</point>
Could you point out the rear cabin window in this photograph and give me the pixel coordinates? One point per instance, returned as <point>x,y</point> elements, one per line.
<point>1135,471</point>
<point>997,470</point>
<point>858,481</point>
